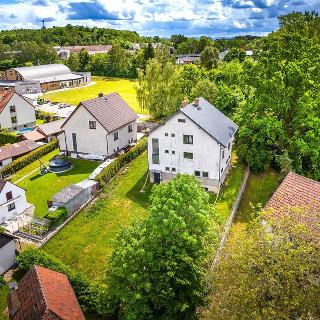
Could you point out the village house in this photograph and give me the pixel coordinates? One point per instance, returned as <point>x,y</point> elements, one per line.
<point>44,132</point>
<point>64,52</point>
<point>7,252</point>
<point>196,140</point>
<point>43,294</point>
<point>16,112</point>
<point>12,200</point>
<point>188,58</point>
<point>49,76</point>
<point>11,152</point>
<point>100,126</point>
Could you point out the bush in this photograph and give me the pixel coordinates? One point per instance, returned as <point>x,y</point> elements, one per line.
<point>93,298</point>
<point>2,282</point>
<point>32,156</point>
<point>111,170</point>
<point>57,217</point>
<point>6,137</point>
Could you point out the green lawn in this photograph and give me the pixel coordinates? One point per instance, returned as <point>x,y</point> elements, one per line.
<point>3,302</point>
<point>40,188</point>
<point>87,241</point>
<point>124,87</point>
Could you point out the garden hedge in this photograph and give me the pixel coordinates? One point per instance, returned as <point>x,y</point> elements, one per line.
<point>32,156</point>
<point>112,169</point>
<point>6,137</point>
<point>93,297</point>
<point>57,217</point>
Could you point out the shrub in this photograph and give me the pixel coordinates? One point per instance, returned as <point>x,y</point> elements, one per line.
<point>32,156</point>
<point>6,137</point>
<point>2,282</point>
<point>93,298</point>
<point>57,217</point>
<point>112,169</point>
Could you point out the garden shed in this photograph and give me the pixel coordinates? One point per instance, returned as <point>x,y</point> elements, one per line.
<point>74,196</point>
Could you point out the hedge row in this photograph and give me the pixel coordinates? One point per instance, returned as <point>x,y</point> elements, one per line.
<point>112,169</point>
<point>6,137</point>
<point>93,297</point>
<point>32,156</point>
<point>57,217</point>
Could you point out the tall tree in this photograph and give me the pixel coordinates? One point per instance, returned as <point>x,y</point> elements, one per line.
<point>84,59</point>
<point>158,266</point>
<point>73,61</point>
<point>206,89</point>
<point>148,53</point>
<point>235,54</point>
<point>209,57</point>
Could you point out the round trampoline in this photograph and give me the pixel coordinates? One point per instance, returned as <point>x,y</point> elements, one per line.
<point>59,165</point>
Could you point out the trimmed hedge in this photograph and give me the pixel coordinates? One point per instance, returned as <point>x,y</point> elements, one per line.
<point>114,167</point>
<point>6,137</point>
<point>32,156</point>
<point>57,217</point>
<point>93,297</point>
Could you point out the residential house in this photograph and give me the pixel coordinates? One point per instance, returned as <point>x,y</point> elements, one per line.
<point>101,126</point>
<point>43,132</point>
<point>11,152</point>
<point>188,58</point>
<point>7,252</point>
<point>64,52</point>
<point>15,111</point>
<point>196,140</point>
<point>43,294</point>
<point>12,200</point>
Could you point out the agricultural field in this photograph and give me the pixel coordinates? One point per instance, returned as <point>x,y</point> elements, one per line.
<point>125,87</point>
<point>40,188</point>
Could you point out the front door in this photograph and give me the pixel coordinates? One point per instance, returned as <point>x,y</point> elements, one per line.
<point>157,177</point>
<point>74,142</point>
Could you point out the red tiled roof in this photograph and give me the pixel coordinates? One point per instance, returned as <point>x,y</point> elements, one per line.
<point>17,149</point>
<point>92,48</point>
<point>5,96</point>
<point>44,294</point>
<point>296,191</point>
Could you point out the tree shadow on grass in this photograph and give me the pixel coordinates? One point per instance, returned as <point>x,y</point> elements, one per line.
<point>139,197</point>
<point>36,177</point>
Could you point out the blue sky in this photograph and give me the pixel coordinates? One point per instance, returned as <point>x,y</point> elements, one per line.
<point>216,18</point>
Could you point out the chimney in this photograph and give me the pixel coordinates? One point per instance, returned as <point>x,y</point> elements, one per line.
<point>100,94</point>
<point>196,103</point>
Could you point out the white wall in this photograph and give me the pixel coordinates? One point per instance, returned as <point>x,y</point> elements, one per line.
<point>25,113</point>
<point>19,199</point>
<point>7,256</point>
<point>5,162</point>
<point>206,150</point>
<point>93,140</point>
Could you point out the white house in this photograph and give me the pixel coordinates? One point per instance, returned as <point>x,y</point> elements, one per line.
<point>15,111</point>
<point>7,252</point>
<point>196,140</point>
<point>12,200</point>
<point>100,126</point>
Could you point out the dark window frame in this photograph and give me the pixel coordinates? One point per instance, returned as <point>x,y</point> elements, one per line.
<point>205,174</point>
<point>187,139</point>
<point>116,135</point>
<point>182,120</point>
<point>9,196</point>
<point>11,206</point>
<point>130,127</point>
<point>188,155</point>
<point>92,124</point>
<point>197,173</point>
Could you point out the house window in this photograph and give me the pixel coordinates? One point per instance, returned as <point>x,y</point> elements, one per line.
<point>182,120</point>
<point>173,152</point>
<point>11,206</point>
<point>130,128</point>
<point>14,119</point>
<point>12,108</point>
<point>155,151</point>
<point>167,169</point>
<point>9,196</point>
<point>166,151</point>
<point>187,139</point>
<point>205,174</point>
<point>229,146</point>
<point>223,154</point>
<point>173,135</point>
<point>92,124</point>
<point>173,169</point>
<point>166,134</point>
<point>188,155</point>
<point>116,135</point>
<point>197,173</point>
<point>221,170</point>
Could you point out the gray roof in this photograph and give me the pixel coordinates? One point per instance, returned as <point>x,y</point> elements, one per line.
<point>51,127</point>
<point>5,239</point>
<point>211,120</point>
<point>43,71</point>
<point>67,193</point>
<point>111,111</point>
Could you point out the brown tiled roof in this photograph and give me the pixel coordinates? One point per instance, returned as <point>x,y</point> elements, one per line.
<point>33,135</point>
<point>92,48</point>
<point>17,149</point>
<point>296,191</point>
<point>51,127</point>
<point>111,111</point>
<point>5,96</point>
<point>2,184</point>
<point>44,294</point>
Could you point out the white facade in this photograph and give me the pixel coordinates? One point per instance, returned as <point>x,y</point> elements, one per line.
<point>12,201</point>
<point>19,110</point>
<point>96,141</point>
<point>210,160</point>
<point>7,256</point>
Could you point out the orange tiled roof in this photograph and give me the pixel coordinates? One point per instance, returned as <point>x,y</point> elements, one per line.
<point>5,96</point>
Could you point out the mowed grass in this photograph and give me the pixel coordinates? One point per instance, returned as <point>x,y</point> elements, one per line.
<point>125,87</point>
<point>40,188</point>
<point>3,302</point>
<point>87,241</point>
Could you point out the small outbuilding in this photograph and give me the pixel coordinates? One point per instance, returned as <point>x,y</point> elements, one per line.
<point>7,252</point>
